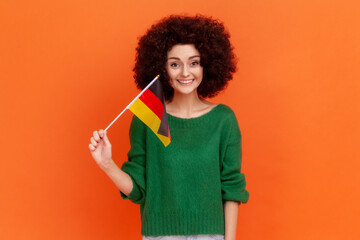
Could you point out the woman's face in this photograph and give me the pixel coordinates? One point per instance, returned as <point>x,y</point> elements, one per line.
<point>183,68</point>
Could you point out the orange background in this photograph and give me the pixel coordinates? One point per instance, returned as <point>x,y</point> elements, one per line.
<point>66,70</point>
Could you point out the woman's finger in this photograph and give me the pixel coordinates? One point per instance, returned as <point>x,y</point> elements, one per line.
<point>101,133</point>
<point>106,140</point>
<point>91,147</point>
<point>96,136</point>
<point>93,142</point>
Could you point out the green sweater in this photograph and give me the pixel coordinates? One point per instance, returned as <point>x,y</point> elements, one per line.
<point>181,188</point>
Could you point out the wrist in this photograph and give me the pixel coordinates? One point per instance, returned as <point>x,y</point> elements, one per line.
<point>107,165</point>
<point>230,238</point>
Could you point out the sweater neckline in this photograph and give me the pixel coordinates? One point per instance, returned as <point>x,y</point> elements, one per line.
<point>195,121</point>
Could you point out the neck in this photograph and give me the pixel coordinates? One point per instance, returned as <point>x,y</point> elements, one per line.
<point>185,105</point>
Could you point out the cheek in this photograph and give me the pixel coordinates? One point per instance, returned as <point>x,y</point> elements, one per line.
<point>171,78</point>
<point>172,75</point>
<point>171,82</point>
<point>170,72</point>
<point>199,73</point>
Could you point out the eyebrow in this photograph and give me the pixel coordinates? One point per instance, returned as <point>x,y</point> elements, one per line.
<point>176,58</point>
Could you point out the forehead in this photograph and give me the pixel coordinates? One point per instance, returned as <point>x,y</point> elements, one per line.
<point>183,51</point>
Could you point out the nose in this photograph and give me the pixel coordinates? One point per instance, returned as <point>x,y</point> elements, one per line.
<point>185,71</point>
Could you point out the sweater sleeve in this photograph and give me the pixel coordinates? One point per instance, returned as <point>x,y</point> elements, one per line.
<point>135,166</point>
<point>232,180</point>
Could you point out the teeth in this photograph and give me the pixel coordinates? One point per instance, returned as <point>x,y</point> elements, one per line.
<point>187,81</point>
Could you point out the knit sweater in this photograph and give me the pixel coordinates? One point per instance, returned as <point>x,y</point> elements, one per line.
<point>181,188</point>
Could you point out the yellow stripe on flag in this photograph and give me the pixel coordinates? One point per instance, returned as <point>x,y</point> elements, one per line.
<point>149,118</point>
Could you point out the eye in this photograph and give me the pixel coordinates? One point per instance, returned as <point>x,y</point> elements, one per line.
<point>174,65</point>
<point>194,63</point>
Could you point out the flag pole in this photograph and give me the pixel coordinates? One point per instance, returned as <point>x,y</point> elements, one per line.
<point>127,107</point>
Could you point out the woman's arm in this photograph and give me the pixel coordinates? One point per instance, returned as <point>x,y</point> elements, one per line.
<point>120,178</point>
<point>231,214</point>
<point>100,149</point>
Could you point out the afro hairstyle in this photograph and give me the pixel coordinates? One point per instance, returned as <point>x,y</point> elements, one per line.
<point>210,38</point>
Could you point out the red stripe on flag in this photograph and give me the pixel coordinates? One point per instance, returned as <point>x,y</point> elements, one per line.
<point>152,102</point>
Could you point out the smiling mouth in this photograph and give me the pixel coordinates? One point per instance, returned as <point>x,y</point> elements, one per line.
<point>185,81</point>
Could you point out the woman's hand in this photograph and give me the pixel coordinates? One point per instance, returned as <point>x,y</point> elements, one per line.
<point>100,149</point>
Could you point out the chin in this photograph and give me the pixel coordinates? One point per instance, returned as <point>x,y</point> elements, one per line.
<point>182,92</point>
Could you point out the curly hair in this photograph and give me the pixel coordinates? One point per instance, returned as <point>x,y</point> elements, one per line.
<point>210,39</point>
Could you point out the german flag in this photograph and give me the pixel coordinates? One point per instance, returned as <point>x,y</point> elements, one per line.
<point>150,109</point>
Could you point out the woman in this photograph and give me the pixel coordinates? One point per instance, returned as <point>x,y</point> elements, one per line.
<point>192,188</point>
